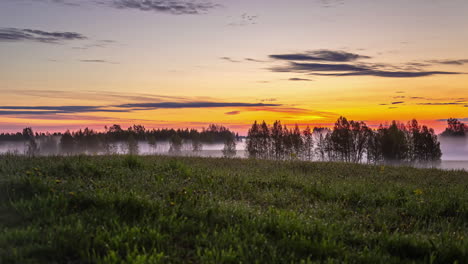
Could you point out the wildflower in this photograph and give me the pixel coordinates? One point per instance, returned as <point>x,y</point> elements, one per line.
<point>171,203</point>
<point>418,192</point>
<point>58,181</point>
<point>72,193</point>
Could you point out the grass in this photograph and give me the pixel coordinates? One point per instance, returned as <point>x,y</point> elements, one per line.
<point>155,209</point>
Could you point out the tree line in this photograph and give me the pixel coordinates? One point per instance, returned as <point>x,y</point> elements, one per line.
<point>89,141</point>
<point>350,141</point>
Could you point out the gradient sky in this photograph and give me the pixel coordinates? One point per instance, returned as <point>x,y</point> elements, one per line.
<point>173,63</point>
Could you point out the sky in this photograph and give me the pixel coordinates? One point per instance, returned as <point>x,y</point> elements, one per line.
<point>174,63</point>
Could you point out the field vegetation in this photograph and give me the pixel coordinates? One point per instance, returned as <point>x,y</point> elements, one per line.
<point>157,209</point>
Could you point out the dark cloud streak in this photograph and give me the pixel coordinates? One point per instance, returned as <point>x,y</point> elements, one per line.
<point>16,34</point>
<point>320,55</point>
<point>175,7</point>
<point>47,110</point>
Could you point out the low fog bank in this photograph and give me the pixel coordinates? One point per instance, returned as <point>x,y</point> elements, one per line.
<point>455,151</point>
<point>454,148</point>
<point>144,148</point>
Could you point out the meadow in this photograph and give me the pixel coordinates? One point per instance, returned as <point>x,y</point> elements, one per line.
<point>158,209</point>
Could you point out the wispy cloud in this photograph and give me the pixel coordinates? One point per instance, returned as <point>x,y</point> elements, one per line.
<point>176,7</point>
<point>320,55</point>
<point>229,59</point>
<point>16,34</point>
<point>47,110</point>
<point>450,62</point>
<point>254,60</point>
<point>96,44</point>
<point>341,63</point>
<point>331,3</point>
<point>232,113</point>
<point>299,79</point>
<point>175,105</point>
<point>443,103</point>
<point>244,20</point>
<point>98,61</point>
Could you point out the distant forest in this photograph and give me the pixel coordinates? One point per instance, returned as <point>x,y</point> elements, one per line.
<point>351,141</point>
<point>347,141</point>
<point>89,141</point>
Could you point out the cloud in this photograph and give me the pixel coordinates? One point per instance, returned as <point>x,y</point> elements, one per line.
<point>338,63</point>
<point>253,60</point>
<point>45,110</point>
<point>175,105</point>
<point>314,67</point>
<point>341,70</point>
<point>176,7</point>
<point>320,55</point>
<point>96,44</point>
<point>232,113</point>
<point>245,20</point>
<point>450,62</point>
<point>394,103</point>
<point>269,100</point>
<point>98,61</point>
<point>229,59</point>
<point>299,79</point>
<point>16,34</point>
<point>331,3</point>
<point>445,103</point>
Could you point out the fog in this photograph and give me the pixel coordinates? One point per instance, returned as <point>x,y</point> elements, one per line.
<point>455,151</point>
<point>161,148</point>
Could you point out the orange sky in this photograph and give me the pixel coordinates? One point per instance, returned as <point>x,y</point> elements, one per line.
<point>307,62</point>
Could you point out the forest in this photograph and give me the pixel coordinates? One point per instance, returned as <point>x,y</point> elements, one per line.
<point>346,141</point>
<point>351,141</point>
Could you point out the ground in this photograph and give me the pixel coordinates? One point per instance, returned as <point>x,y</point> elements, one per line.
<point>156,209</point>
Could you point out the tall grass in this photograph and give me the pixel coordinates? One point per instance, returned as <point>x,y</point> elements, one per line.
<point>129,209</point>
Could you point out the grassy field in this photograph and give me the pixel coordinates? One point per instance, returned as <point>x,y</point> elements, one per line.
<point>156,209</point>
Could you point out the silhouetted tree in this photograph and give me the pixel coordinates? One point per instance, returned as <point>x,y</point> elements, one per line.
<point>297,142</point>
<point>31,145</point>
<point>393,142</point>
<point>253,141</point>
<point>152,143</point>
<point>132,143</point>
<point>48,144</point>
<point>455,128</point>
<point>67,143</point>
<point>229,149</point>
<point>197,146</point>
<point>277,144</point>
<point>175,144</point>
<point>308,144</point>
<point>340,139</point>
<point>264,141</point>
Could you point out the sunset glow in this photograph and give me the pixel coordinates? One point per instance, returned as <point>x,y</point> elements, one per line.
<point>75,64</point>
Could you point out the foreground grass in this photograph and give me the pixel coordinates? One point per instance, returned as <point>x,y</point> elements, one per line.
<point>197,210</point>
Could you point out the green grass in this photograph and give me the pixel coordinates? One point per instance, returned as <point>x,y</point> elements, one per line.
<point>125,209</point>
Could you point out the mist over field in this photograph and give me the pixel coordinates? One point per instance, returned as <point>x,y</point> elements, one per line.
<point>454,151</point>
